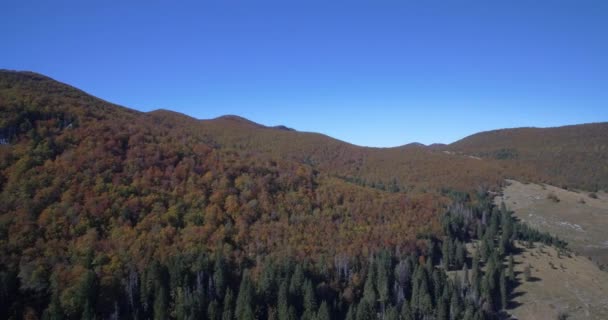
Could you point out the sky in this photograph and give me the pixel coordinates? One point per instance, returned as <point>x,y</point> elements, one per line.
<point>373,73</point>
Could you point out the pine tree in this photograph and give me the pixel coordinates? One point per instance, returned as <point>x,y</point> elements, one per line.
<point>323,313</point>
<point>369,289</point>
<point>297,282</point>
<point>219,277</point>
<point>382,282</point>
<point>54,311</point>
<point>89,312</point>
<point>87,294</point>
<point>160,303</point>
<point>213,311</point>
<point>445,252</point>
<point>267,284</point>
<point>283,301</point>
<point>475,272</point>
<point>442,309</point>
<point>391,313</point>
<point>310,302</point>
<point>406,312</point>
<point>465,276</point>
<point>352,312</point>
<point>503,290</point>
<point>455,305</point>
<point>460,255</point>
<point>227,314</point>
<point>479,231</point>
<point>244,299</point>
<point>469,313</point>
<point>528,272</point>
<point>424,301</point>
<point>511,271</point>
<point>365,311</point>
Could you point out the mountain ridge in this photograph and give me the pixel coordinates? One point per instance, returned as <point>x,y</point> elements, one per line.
<point>237,118</point>
<point>528,159</point>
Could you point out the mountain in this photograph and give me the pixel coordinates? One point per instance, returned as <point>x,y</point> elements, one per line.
<point>104,208</point>
<point>569,156</point>
<point>76,165</point>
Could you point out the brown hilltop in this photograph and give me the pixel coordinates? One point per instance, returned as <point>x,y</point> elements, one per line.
<point>570,156</point>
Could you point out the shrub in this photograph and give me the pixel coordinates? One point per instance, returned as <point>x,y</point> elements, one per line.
<point>528,272</point>
<point>553,197</point>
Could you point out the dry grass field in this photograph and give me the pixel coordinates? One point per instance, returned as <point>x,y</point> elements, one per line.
<point>571,285</point>
<point>577,217</point>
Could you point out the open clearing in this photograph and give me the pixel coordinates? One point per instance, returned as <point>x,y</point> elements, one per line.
<point>573,216</point>
<point>559,283</point>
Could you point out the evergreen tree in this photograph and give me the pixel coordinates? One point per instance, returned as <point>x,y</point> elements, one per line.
<point>297,283</point>
<point>391,313</point>
<point>469,313</point>
<point>352,312</point>
<point>213,311</point>
<point>227,314</point>
<point>511,271</point>
<point>267,284</point>
<point>455,305</point>
<point>503,290</point>
<point>88,313</point>
<point>219,277</point>
<point>528,272</point>
<point>310,302</point>
<point>244,300</point>
<point>87,294</point>
<point>442,310</point>
<point>445,252</point>
<point>382,282</point>
<point>406,312</point>
<point>479,231</point>
<point>283,301</point>
<point>323,313</point>
<point>181,306</point>
<point>54,311</point>
<point>465,276</point>
<point>425,306</point>
<point>460,255</point>
<point>365,311</point>
<point>503,244</point>
<point>369,289</point>
<point>475,272</point>
<point>160,303</point>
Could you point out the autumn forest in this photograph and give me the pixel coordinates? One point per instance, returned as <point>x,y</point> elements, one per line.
<point>112,213</point>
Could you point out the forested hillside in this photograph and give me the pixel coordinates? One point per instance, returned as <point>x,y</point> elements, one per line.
<point>114,213</point>
<point>570,156</point>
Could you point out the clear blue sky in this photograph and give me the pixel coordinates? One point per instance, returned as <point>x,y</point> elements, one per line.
<point>377,73</point>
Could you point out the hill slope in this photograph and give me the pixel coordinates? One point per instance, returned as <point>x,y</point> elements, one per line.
<point>570,156</point>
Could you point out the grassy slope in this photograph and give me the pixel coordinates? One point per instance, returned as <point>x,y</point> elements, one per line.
<point>578,218</point>
<point>569,284</point>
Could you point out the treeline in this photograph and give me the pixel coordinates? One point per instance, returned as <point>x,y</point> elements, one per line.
<point>391,186</point>
<point>490,232</point>
<point>382,286</point>
<point>436,280</point>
